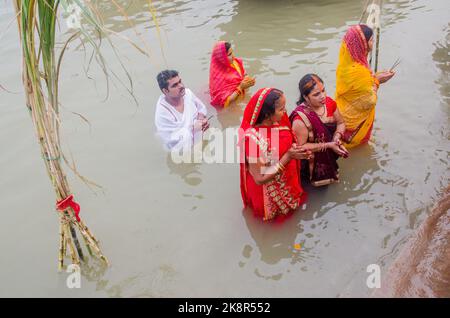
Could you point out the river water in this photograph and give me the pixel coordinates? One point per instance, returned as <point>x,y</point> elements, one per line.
<point>179,230</point>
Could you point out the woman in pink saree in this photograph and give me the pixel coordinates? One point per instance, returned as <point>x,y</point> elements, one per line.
<point>227,77</point>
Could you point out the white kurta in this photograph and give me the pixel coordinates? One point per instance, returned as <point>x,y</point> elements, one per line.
<point>177,129</point>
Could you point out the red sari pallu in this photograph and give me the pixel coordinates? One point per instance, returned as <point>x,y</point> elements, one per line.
<point>283,193</point>
<point>224,78</point>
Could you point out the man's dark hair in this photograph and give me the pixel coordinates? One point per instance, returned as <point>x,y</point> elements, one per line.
<point>164,77</point>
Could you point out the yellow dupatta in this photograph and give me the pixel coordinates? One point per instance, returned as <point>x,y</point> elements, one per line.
<point>356,96</point>
<point>237,67</point>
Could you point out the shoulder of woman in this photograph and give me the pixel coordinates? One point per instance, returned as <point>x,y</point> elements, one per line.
<point>297,121</point>
<point>331,105</point>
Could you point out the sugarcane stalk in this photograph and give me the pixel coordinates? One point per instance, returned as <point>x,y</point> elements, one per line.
<point>76,242</point>
<point>62,242</point>
<point>72,250</point>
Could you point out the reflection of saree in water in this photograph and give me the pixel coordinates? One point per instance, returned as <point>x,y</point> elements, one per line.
<point>224,77</point>
<point>322,169</point>
<point>282,194</point>
<point>355,93</point>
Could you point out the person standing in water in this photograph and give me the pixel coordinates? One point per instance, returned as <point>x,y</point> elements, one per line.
<point>228,80</point>
<point>270,184</point>
<point>318,127</point>
<point>357,86</point>
<point>180,116</point>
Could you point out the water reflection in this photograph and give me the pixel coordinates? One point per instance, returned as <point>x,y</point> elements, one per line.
<point>298,33</point>
<point>232,115</point>
<point>395,11</point>
<point>440,56</point>
<point>189,172</point>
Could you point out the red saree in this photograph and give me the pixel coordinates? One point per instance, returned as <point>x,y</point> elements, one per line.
<point>283,194</point>
<point>223,76</point>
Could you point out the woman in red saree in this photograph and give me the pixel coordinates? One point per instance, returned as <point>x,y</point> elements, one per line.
<point>227,78</point>
<point>270,184</point>
<point>318,127</point>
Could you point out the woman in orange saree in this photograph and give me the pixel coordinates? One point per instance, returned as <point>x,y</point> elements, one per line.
<point>270,184</point>
<point>357,86</point>
<point>227,78</point>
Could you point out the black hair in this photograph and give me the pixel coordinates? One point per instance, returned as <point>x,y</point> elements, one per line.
<point>164,77</point>
<point>368,32</point>
<point>306,85</point>
<point>227,46</point>
<point>268,107</point>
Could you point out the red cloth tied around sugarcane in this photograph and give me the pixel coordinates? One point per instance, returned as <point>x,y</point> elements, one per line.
<point>68,202</point>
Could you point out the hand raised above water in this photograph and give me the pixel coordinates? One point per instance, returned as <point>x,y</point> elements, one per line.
<point>384,76</point>
<point>247,82</point>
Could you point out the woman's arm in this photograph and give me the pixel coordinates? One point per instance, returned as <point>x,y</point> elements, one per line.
<point>301,132</point>
<point>340,129</point>
<point>263,174</point>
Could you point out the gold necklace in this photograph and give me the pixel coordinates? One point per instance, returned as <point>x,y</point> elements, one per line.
<point>323,112</point>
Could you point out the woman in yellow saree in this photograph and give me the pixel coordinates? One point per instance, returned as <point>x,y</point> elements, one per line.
<point>357,86</point>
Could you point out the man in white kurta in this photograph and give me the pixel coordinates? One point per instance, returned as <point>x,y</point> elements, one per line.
<point>180,116</point>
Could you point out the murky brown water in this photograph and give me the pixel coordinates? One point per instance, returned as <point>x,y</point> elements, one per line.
<point>173,230</point>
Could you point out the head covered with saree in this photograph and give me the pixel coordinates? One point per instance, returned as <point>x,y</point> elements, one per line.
<point>357,42</point>
<point>224,77</point>
<point>262,103</point>
<point>284,193</point>
<point>355,94</point>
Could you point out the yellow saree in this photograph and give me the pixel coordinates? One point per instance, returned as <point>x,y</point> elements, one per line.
<point>356,94</point>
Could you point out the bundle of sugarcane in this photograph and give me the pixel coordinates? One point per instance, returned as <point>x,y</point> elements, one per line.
<point>37,20</point>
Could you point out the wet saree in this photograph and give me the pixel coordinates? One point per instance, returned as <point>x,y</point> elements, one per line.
<point>322,169</point>
<point>224,77</point>
<point>283,194</point>
<point>356,94</point>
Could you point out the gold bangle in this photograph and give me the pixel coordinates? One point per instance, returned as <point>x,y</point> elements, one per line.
<point>279,168</point>
<point>282,166</point>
